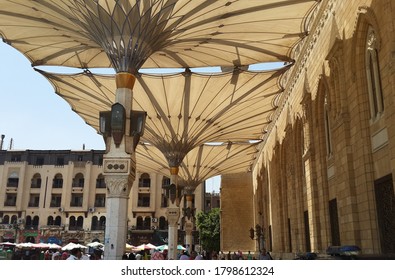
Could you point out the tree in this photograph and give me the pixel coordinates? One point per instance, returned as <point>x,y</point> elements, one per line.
<point>209,229</point>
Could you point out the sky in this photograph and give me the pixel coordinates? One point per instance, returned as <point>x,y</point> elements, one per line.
<point>32,115</point>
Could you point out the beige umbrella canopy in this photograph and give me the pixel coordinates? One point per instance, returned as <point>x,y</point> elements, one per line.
<point>151,159</point>
<point>129,34</point>
<point>212,159</point>
<point>202,162</point>
<point>184,110</point>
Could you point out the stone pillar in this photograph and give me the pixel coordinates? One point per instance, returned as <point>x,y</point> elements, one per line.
<point>189,223</point>
<point>119,166</point>
<point>173,215</point>
<point>118,189</point>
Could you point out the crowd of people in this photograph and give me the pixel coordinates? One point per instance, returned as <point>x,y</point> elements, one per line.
<point>184,255</point>
<point>51,254</point>
<point>153,254</point>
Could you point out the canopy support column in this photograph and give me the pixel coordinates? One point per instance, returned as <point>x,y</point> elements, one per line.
<point>119,166</point>
<point>189,223</point>
<point>173,214</point>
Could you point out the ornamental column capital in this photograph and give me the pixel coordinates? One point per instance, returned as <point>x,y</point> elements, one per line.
<point>119,185</point>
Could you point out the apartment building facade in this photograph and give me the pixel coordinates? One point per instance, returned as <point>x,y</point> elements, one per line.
<point>59,196</point>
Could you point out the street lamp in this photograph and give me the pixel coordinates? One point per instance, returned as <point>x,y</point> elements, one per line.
<point>257,234</point>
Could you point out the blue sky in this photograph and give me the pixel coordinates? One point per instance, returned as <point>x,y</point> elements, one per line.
<point>32,115</point>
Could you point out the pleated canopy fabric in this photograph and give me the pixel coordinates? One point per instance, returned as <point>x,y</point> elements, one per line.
<point>202,162</point>
<point>130,34</point>
<point>212,159</point>
<point>183,110</point>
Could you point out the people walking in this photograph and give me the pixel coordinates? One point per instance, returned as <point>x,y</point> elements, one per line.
<point>75,254</point>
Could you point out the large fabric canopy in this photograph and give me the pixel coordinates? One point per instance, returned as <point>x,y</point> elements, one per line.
<point>184,110</point>
<point>129,34</point>
<point>214,159</point>
<point>202,162</point>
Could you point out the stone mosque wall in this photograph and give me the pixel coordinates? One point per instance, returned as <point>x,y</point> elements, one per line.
<point>324,176</point>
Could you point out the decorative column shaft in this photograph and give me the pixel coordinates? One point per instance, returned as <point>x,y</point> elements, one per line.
<point>173,216</point>
<point>189,223</point>
<point>119,164</point>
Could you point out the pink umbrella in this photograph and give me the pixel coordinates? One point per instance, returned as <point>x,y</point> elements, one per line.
<point>7,244</point>
<point>54,246</point>
<point>151,246</point>
<point>25,245</point>
<point>41,245</point>
<point>144,246</point>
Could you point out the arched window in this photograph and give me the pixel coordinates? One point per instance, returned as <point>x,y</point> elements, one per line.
<point>50,221</point>
<point>36,181</point>
<point>35,222</point>
<point>76,223</point>
<point>78,181</point>
<point>98,223</point>
<point>80,222</point>
<point>32,223</point>
<point>147,223</point>
<point>28,221</point>
<point>6,220</point>
<point>162,223</point>
<point>57,182</point>
<point>14,219</point>
<point>95,223</point>
<point>13,180</point>
<point>144,181</point>
<point>102,222</point>
<point>373,75</point>
<point>72,223</point>
<point>100,183</point>
<point>58,221</point>
<point>139,222</point>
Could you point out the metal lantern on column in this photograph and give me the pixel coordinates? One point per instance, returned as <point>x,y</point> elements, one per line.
<point>137,125</point>
<point>118,121</point>
<point>112,123</point>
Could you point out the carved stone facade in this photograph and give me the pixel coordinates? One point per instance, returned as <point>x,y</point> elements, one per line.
<point>324,175</point>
